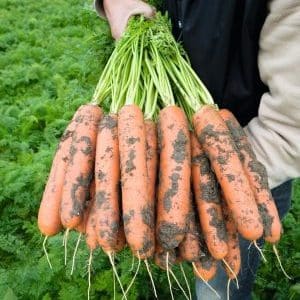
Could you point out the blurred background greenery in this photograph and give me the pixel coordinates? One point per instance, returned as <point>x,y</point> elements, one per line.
<point>51,56</point>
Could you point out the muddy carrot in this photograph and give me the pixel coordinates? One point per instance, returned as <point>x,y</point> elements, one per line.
<point>215,138</point>
<point>208,202</point>
<point>90,230</point>
<point>138,215</point>
<point>81,166</point>
<point>258,178</point>
<point>189,248</point>
<point>152,158</point>
<point>49,212</point>
<point>206,267</point>
<point>107,177</point>
<point>174,177</point>
<point>233,257</point>
<point>121,239</point>
<point>160,257</point>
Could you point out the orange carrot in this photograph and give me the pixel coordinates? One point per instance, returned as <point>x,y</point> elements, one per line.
<point>233,257</point>
<point>258,178</point>
<point>206,267</point>
<point>215,138</point>
<point>91,237</point>
<point>174,177</point>
<point>189,248</point>
<point>49,213</point>
<point>81,166</point>
<point>121,240</point>
<point>138,215</point>
<point>107,177</point>
<point>160,257</point>
<point>208,202</point>
<point>152,158</point>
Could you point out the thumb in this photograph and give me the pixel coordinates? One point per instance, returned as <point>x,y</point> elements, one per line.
<point>118,27</point>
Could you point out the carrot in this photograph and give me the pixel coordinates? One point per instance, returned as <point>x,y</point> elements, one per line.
<point>121,240</point>
<point>107,177</point>
<point>80,168</point>
<point>233,257</point>
<point>215,138</point>
<point>160,257</point>
<point>90,229</point>
<point>138,214</point>
<point>151,159</point>
<point>258,178</point>
<point>49,212</point>
<point>189,248</point>
<point>208,202</point>
<point>206,267</point>
<point>81,227</point>
<point>174,177</point>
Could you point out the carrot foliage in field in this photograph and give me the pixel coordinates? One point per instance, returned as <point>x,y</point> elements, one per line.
<point>51,56</point>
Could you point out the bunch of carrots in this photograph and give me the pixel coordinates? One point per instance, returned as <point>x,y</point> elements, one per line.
<point>163,172</point>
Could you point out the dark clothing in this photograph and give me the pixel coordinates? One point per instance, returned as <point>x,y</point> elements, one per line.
<point>221,39</point>
<point>250,258</point>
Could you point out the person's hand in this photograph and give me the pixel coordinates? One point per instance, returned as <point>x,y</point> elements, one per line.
<point>118,13</point>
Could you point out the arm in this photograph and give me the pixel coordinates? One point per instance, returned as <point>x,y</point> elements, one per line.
<point>118,13</point>
<point>275,133</point>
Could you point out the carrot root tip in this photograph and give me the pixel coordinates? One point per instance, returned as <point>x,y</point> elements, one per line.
<point>134,276</point>
<point>132,264</point>
<point>89,273</point>
<point>168,275</point>
<point>186,281</point>
<point>46,253</point>
<point>151,278</point>
<point>179,285</point>
<point>260,251</point>
<point>65,243</point>
<point>228,288</point>
<point>75,252</point>
<point>280,264</point>
<point>109,254</point>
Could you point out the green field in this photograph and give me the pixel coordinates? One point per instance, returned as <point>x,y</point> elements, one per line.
<point>51,56</point>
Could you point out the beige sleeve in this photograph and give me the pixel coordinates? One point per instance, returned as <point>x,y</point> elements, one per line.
<point>275,133</point>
